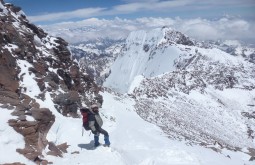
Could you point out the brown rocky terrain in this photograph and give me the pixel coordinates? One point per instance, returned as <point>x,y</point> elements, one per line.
<point>49,63</point>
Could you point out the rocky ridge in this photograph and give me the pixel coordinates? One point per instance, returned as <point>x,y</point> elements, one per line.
<point>96,57</point>
<point>192,90</point>
<point>173,100</point>
<point>27,53</point>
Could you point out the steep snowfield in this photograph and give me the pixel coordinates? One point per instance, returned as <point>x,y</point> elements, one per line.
<point>134,141</point>
<point>195,92</point>
<point>163,50</point>
<point>138,58</point>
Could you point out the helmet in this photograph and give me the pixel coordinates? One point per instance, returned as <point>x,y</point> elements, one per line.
<point>94,108</point>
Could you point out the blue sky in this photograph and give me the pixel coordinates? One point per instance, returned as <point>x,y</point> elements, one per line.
<point>199,19</point>
<point>52,11</point>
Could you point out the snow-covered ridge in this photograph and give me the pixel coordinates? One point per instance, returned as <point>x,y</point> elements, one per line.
<point>190,103</point>
<point>15,11</point>
<point>151,53</point>
<point>188,89</point>
<point>145,53</point>
<point>194,102</point>
<point>3,8</point>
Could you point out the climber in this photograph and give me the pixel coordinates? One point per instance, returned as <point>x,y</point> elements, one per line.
<point>92,121</point>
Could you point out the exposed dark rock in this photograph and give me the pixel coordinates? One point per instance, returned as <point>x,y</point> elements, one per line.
<point>54,150</point>
<point>67,102</point>
<point>146,48</point>
<point>63,147</point>
<point>96,65</point>
<point>16,163</point>
<point>52,77</point>
<point>178,37</point>
<point>34,132</point>
<point>22,117</point>
<point>75,152</point>
<point>40,33</point>
<point>66,77</point>
<point>8,76</point>
<point>28,49</point>
<point>29,153</point>
<point>252,58</point>
<point>18,113</point>
<point>249,115</point>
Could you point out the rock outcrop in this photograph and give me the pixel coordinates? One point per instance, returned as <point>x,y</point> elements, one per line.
<point>96,57</point>
<point>33,67</point>
<point>194,91</point>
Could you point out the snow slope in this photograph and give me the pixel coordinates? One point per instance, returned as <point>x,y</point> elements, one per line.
<point>207,99</point>
<point>144,54</point>
<point>163,50</point>
<point>200,93</point>
<point>10,140</point>
<point>133,141</point>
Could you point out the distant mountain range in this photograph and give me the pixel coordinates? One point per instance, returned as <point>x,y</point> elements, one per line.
<point>96,57</point>
<point>199,92</point>
<point>203,92</point>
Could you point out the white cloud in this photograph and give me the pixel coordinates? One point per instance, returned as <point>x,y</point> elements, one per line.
<point>173,7</point>
<point>226,2</point>
<point>153,5</point>
<point>220,29</point>
<point>127,8</point>
<point>80,13</point>
<point>200,29</point>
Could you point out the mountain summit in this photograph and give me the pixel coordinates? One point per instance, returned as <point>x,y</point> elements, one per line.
<point>184,101</point>
<point>194,91</point>
<point>155,52</point>
<point>147,53</point>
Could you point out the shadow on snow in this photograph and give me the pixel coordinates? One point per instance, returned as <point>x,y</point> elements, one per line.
<point>89,146</point>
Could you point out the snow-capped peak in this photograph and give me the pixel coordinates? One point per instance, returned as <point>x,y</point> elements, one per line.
<point>148,53</point>
<point>181,86</point>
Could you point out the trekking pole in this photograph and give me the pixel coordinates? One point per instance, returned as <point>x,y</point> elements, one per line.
<point>82,131</point>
